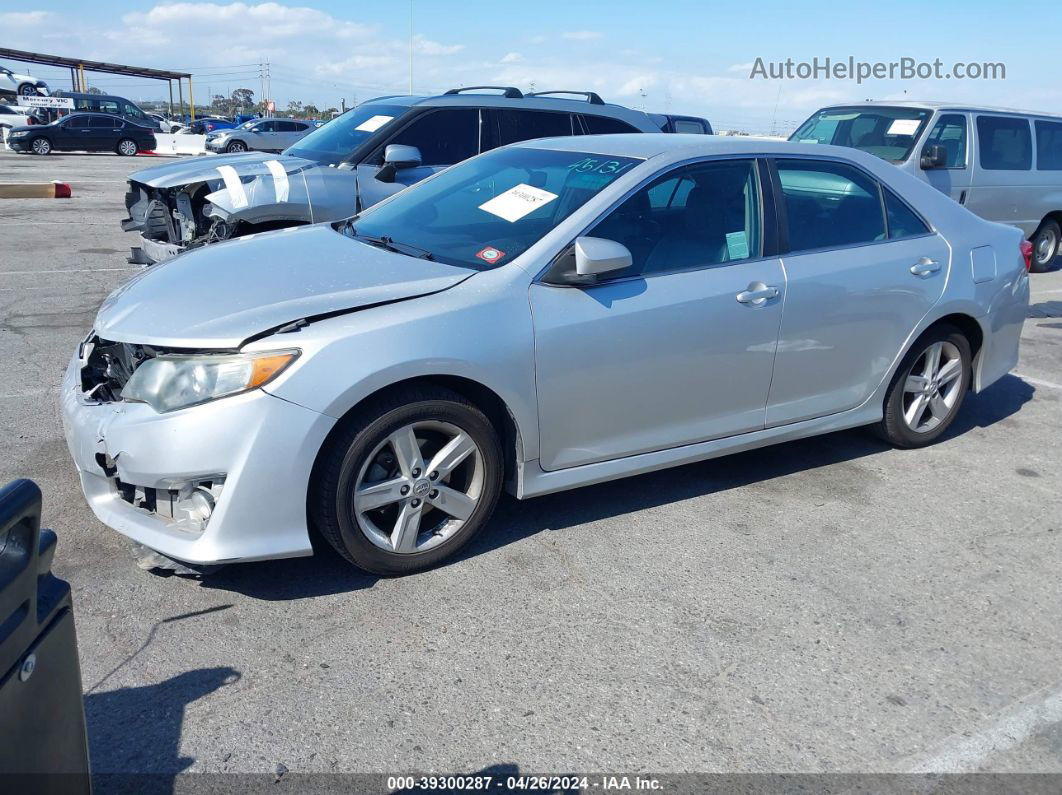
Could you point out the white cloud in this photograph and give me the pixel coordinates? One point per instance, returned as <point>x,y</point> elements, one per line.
<point>741,67</point>
<point>582,35</point>
<point>511,57</point>
<point>24,19</point>
<point>425,46</point>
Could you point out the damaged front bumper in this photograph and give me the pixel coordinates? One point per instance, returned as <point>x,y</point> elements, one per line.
<point>220,482</point>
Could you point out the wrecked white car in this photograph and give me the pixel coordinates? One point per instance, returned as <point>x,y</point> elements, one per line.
<point>350,163</point>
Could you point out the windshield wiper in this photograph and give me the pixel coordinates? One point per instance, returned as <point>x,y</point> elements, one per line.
<point>389,243</point>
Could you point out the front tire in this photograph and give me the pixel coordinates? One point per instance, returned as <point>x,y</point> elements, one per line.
<point>236,147</point>
<point>127,147</point>
<point>41,146</point>
<point>928,389</point>
<point>26,90</point>
<point>1045,246</point>
<point>407,481</point>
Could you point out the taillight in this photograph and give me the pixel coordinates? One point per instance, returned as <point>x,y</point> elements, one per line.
<point>1027,251</point>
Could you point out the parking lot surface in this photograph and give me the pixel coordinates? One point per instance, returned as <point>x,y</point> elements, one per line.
<point>825,605</point>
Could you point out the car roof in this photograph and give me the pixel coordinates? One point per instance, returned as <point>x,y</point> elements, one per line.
<point>649,145</point>
<point>937,105</point>
<point>483,100</point>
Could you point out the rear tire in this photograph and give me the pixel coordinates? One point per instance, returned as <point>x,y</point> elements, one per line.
<point>127,147</point>
<point>41,146</point>
<point>392,508</point>
<point>928,389</point>
<point>1045,246</point>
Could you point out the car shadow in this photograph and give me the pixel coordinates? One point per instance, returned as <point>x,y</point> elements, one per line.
<point>326,573</point>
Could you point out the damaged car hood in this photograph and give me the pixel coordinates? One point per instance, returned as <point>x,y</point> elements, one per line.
<point>200,169</point>
<point>219,296</point>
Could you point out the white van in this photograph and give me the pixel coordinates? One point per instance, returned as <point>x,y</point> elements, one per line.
<point>1004,165</point>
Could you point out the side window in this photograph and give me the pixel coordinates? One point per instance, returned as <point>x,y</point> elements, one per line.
<point>100,123</point>
<point>1049,145</point>
<point>81,104</point>
<point>108,106</point>
<point>717,221</point>
<point>444,137</point>
<point>266,126</point>
<point>132,111</point>
<point>287,126</point>
<point>950,132</point>
<point>829,205</point>
<point>1005,143</point>
<point>689,126</point>
<point>603,125</point>
<point>526,125</point>
<point>902,220</point>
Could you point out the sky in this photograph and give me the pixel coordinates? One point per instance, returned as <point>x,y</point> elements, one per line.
<point>665,56</point>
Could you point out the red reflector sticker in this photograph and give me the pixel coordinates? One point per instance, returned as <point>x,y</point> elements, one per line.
<point>490,254</point>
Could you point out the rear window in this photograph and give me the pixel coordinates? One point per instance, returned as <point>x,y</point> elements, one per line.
<point>688,126</point>
<point>603,125</point>
<point>526,125</point>
<point>1049,146</point>
<point>1005,143</point>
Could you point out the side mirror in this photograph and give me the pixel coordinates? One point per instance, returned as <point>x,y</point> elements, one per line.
<point>596,256</point>
<point>934,156</point>
<point>396,157</point>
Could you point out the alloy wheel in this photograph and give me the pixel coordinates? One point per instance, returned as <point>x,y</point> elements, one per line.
<point>127,148</point>
<point>41,146</point>
<point>418,487</point>
<point>932,387</point>
<point>237,146</point>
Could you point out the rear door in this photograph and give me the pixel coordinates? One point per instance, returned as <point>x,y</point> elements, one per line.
<point>444,136</point>
<point>104,133</point>
<point>862,272</point>
<point>288,132</point>
<point>1002,189</point>
<point>508,126</point>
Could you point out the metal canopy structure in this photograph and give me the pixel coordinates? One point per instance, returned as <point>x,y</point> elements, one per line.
<point>77,67</point>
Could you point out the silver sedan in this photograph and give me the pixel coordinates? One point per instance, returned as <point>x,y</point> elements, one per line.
<point>543,316</point>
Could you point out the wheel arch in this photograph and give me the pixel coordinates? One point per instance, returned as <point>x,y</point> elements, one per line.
<point>481,396</point>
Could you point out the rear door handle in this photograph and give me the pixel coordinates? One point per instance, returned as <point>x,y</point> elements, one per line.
<point>925,266</point>
<point>757,294</point>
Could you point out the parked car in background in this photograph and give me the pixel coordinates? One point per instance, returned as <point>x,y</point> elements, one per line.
<point>1004,165</point>
<point>83,132</point>
<point>547,315</point>
<point>15,84</point>
<point>102,103</point>
<point>263,135</point>
<point>355,160</point>
<point>15,116</point>
<point>683,124</point>
<point>204,125</point>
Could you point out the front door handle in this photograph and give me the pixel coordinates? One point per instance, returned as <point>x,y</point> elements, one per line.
<point>757,294</point>
<point>925,266</point>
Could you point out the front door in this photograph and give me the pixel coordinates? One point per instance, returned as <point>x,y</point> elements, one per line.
<point>950,132</point>
<point>859,281</point>
<point>680,348</point>
<point>444,137</point>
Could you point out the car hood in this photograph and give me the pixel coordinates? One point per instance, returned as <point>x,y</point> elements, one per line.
<point>203,169</point>
<point>220,295</point>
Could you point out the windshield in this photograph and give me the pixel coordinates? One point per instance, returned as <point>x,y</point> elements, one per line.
<point>487,211</point>
<point>889,133</point>
<point>334,142</point>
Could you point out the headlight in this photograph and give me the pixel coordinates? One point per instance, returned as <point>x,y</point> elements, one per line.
<point>20,134</point>
<point>176,381</point>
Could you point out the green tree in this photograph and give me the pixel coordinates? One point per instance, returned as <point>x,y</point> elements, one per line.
<point>310,112</point>
<point>294,107</point>
<point>243,98</point>
<point>93,90</point>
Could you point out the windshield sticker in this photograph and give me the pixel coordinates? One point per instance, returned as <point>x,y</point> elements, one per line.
<point>515,203</point>
<point>374,123</point>
<point>903,127</point>
<point>809,140</point>
<point>593,165</point>
<point>490,254</point>
<point>280,179</point>
<point>737,245</point>
<point>234,186</point>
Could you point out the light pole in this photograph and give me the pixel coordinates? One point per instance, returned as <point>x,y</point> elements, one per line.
<point>411,47</point>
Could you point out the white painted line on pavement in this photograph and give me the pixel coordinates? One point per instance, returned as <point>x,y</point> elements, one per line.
<point>965,753</point>
<point>1038,381</point>
<point>69,270</point>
